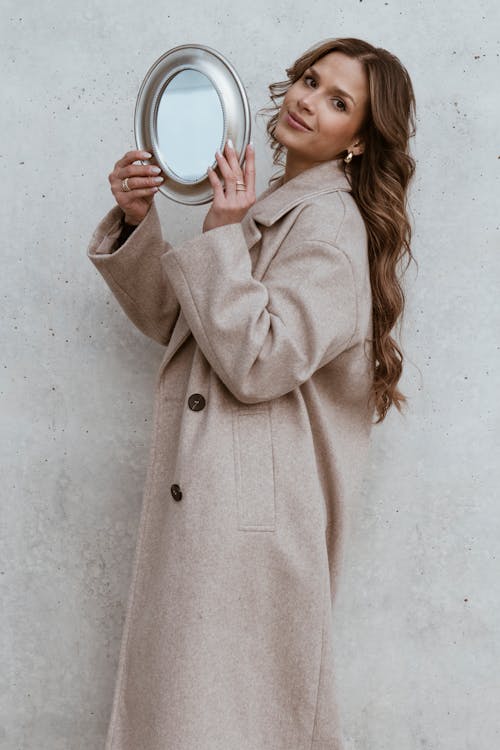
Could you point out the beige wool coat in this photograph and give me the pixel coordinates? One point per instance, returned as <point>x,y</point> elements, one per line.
<point>261,426</point>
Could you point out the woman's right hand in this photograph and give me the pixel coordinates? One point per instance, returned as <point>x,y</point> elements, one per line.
<point>143,181</point>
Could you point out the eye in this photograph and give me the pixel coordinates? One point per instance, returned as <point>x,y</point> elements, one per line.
<point>335,98</point>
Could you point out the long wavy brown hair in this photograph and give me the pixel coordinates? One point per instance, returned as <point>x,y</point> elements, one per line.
<point>379,179</point>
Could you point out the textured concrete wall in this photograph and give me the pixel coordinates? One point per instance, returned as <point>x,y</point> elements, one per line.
<point>417,620</point>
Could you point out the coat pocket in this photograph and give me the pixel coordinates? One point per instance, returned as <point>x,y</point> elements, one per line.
<point>254,469</point>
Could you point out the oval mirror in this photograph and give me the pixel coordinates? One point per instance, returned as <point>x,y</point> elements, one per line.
<point>190,102</point>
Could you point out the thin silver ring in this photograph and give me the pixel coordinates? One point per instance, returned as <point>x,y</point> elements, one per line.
<point>125,186</point>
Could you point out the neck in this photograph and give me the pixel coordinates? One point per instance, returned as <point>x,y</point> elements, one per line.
<point>295,165</point>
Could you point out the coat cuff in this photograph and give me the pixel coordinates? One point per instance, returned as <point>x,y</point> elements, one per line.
<point>134,273</point>
<point>122,263</point>
<point>104,241</point>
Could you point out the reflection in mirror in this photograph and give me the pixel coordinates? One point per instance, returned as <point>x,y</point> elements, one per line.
<point>190,124</point>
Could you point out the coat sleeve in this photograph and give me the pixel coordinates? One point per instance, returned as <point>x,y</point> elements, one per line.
<point>264,338</point>
<point>134,273</point>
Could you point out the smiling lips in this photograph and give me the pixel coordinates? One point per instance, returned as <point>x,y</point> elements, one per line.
<point>296,122</point>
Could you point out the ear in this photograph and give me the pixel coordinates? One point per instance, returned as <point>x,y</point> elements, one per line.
<point>357,147</point>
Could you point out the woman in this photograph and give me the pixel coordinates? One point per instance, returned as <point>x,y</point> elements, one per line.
<point>276,321</point>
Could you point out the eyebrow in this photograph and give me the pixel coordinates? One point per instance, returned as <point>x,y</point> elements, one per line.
<point>332,88</point>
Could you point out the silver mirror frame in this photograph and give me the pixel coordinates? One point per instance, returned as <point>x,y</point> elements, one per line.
<point>235,108</point>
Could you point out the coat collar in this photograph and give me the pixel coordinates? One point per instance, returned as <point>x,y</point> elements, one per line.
<point>280,198</point>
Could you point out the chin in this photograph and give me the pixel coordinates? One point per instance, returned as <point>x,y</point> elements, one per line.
<point>281,134</point>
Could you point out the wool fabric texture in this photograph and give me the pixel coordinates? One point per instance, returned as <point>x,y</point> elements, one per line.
<point>260,433</point>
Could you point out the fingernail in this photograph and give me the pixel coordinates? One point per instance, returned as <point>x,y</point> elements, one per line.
<point>251,144</point>
<point>230,143</point>
<point>218,153</point>
<point>155,170</point>
<point>146,154</point>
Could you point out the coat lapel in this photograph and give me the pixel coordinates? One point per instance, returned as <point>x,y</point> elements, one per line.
<point>281,198</point>
<point>274,202</point>
<point>271,205</point>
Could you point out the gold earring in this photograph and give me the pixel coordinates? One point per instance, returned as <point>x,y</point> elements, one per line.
<point>348,158</point>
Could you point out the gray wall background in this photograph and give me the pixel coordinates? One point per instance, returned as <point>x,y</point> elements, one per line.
<point>417,617</point>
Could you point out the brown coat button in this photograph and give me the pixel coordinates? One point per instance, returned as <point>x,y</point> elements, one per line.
<point>176,491</point>
<point>196,402</point>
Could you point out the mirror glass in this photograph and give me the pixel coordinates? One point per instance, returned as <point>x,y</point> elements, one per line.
<point>190,124</point>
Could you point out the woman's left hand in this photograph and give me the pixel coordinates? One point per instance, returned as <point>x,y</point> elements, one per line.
<point>229,205</point>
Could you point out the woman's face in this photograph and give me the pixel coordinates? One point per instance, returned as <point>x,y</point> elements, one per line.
<point>334,118</point>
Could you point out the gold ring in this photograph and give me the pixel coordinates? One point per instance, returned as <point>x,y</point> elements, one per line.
<point>125,186</point>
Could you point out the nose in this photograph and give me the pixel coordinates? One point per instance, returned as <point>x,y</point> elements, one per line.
<point>306,102</point>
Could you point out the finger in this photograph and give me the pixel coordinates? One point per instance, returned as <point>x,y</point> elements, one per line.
<point>250,170</point>
<point>228,171</point>
<point>138,183</point>
<point>137,170</point>
<point>144,192</point>
<point>216,185</point>
<point>236,171</point>
<point>223,165</point>
<point>229,187</point>
<point>132,156</point>
<point>127,199</point>
<point>232,160</point>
